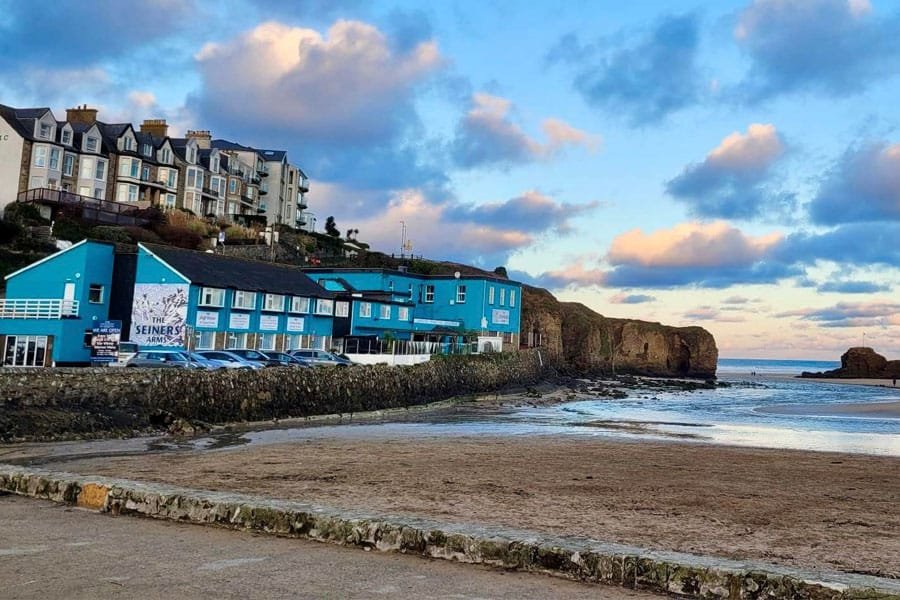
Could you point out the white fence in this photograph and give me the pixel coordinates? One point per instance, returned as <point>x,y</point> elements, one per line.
<point>390,359</point>
<point>38,308</point>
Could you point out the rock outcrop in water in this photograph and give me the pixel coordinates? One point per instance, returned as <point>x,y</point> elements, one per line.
<point>862,363</point>
<point>580,339</point>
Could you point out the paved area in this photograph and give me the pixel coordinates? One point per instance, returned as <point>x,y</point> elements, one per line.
<point>53,551</point>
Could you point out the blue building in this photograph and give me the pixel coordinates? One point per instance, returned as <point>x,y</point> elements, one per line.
<point>52,305</point>
<point>201,300</point>
<point>434,308</point>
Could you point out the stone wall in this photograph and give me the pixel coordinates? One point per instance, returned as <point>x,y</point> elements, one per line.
<point>51,403</point>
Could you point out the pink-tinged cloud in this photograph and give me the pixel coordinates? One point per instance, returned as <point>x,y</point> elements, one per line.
<point>575,275</point>
<point>487,135</point>
<point>708,313</point>
<point>693,244</point>
<point>532,211</point>
<point>623,298</point>
<point>753,151</point>
<point>348,85</point>
<point>875,313</point>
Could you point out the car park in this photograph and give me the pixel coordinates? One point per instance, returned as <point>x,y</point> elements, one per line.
<point>288,360</point>
<point>321,358</point>
<point>162,359</point>
<point>257,357</point>
<point>229,360</point>
<point>204,362</point>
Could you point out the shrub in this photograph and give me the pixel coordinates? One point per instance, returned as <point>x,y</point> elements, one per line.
<point>184,220</point>
<point>24,214</point>
<point>111,234</point>
<point>9,231</point>
<point>68,229</point>
<point>239,232</point>
<point>180,236</point>
<point>139,234</point>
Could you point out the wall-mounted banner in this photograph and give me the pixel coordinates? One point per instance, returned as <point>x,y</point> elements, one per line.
<point>295,324</point>
<point>105,338</point>
<point>268,322</point>
<point>159,313</point>
<point>239,321</point>
<point>500,317</point>
<point>206,318</point>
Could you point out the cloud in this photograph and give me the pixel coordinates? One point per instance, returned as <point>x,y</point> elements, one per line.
<point>730,181</point>
<point>877,313</point>
<point>646,81</point>
<point>531,212</point>
<point>623,298</point>
<point>854,243</point>
<point>834,46</point>
<point>708,313</point>
<point>487,136</point>
<point>736,300</point>
<point>854,287</point>
<point>714,255</point>
<point>574,275</point>
<point>864,185</point>
<point>61,34</point>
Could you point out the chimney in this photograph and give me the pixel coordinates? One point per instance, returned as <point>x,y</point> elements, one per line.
<point>156,127</point>
<point>81,114</point>
<point>202,136</point>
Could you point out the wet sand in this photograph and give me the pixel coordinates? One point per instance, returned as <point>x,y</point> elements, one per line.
<point>872,410</point>
<point>791,507</point>
<point>888,383</point>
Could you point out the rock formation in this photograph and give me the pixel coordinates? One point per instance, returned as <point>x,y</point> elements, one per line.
<point>577,338</point>
<point>862,363</point>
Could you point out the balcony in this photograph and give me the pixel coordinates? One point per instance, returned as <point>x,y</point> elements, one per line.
<point>301,202</point>
<point>43,308</point>
<point>91,209</point>
<point>303,184</point>
<point>263,191</point>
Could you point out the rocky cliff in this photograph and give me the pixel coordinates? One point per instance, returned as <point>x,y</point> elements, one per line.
<point>862,363</point>
<point>577,338</point>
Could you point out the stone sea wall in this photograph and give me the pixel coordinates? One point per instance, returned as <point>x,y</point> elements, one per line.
<point>51,403</point>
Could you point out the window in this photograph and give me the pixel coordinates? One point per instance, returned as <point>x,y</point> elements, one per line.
<point>68,164</point>
<point>491,295</point>
<point>324,307</point>
<point>236,341</point>
<point>40,156</point>
<point>384,311</point>
<point>45,131</point>
<point>246,300</point>
<point>127,143</point>
<point>166,156</point>
<point>429,294</point>
<point>232,186</point>
<point>25,350</point>
<point>192,178</point>
<point>54,159</point>
<point>67,137</point>
<point>214,165</point>
<point>147,150</point>
<point>299,305</point>
<point>267,341</point>
<point>145,174</point>
<point>172,178</point>
<point>100,171</point>
<point>129,167</point>
<point>84,190</point>
<point>170,200</point>
<point>36,182</point>
<point>90,144</point>
<point>342,309</point>
<point>132,193</point>
<point>87,338</point>
<point>87,168</point>
<point>211,296</point>
<point>95,293</point>
<point>273,302</point>
<point>460,294</point>
<point>512,297</point>
<point>206,340</point>
<point>403,313</point>
<point>365,309</point>
<point>98,193</point>
<point>502,296</point>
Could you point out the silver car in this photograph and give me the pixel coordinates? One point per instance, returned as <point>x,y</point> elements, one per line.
<point>162,359</point>
<point>229,360</point>
<point>320,358</point>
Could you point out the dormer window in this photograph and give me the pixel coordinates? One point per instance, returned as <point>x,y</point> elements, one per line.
<point>91,144</point>
<point>67,137</point>
<point>147,150</point>
<point>127,144</point>
<point>214,165</point>
<point>166,156</point>
<point>45,131</point>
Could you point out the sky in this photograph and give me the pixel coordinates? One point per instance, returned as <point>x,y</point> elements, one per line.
<point>729,164</point>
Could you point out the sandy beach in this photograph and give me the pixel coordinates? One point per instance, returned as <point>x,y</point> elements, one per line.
<point>791,507</point>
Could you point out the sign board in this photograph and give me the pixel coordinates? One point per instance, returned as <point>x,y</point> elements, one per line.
<point>239,321</point>
<point>436,322</point>
<point>268,322</point>
<point>159,313</point>
<point>500,316</point>
<point>206,318</point>
<point>295,324</point>
<point>105,338</point>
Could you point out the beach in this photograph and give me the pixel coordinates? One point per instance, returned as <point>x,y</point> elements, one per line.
<point>807,509</point>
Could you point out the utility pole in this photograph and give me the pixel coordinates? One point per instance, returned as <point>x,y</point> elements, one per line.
<point>402,237</point>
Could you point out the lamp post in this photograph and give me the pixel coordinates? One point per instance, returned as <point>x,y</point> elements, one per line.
<point>402,237</point>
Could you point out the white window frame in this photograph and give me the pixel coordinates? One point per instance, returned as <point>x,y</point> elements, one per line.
<point>146,149</point>
<point>300,305</point>
<point>66,137</point>
<point>86,168</point>
<point>248,300</point>
<point>429,294</point>
<point>200,344</point>
<point>44,131</point>
<point>512,298</point>
<point>54,159</point>
<point>502,296</point>
<point>403,313</point>
<point>365,310</point>
<point>491,295</point>
<point>263,338</point>
<point>96,286</point>
<point>40,156</point>
<point>68,164</point>
<point>384,311</point>
<point>273,303</point>
<point>324,307</point>
<point>208,296</point>
<point>460,294</point>
<point>90,143</point>
<point>100,170</point>
<point>341,309</point>
<point>236,340</point>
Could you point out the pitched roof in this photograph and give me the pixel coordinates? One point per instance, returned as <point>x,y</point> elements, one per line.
<point>272,155</point>
<point>22,119</point>
<point>215,270</point>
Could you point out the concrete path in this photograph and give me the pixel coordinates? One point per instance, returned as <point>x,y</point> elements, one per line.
<point>49,550</point>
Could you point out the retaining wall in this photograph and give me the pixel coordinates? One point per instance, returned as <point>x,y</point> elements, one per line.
<point>56,403</point>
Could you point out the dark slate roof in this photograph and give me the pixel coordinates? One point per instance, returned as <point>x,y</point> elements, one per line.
<point>22,119</point>
<point>272,155</point>
<point>226,145</point>
<point>215,270</point>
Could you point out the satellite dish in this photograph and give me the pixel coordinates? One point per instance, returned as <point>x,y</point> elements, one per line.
<point>456,274</point>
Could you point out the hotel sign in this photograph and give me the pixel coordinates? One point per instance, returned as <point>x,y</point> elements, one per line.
<point>500,317</point>
<point>159,313</point>
<point>207,319</point>
<point>437,322</point>
<point>295,324</point>
<point>239,321</point>
<point>268,322</point>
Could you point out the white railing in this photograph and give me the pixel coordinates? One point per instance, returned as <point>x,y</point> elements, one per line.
<point>38,308</point>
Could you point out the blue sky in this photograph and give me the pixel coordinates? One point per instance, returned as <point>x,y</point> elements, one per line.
<point>733,164</point>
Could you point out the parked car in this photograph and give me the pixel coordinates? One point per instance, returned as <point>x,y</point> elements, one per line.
<point>205,362</point>
<point>127,350</point>
<point>162,359</point>
<point>229,360</point>
<point>321,358</point>
<point>287,360</point>
<point>258,357</point>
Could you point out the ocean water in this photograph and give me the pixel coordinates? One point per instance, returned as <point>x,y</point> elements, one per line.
<point>730,366</point>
